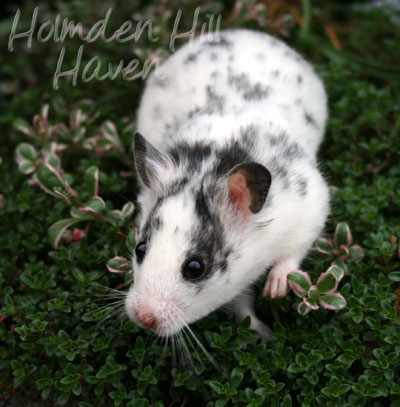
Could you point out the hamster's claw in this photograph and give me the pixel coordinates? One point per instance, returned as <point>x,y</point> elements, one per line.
<point>276,285</point>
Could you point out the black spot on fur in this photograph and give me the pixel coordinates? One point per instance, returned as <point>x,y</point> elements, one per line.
<point>292,151</point>
<point>275,72</point>
<point>299,79</point>
<point>176,188</point>
<point>279,139</point>
<point>280,171</point>
<point>229,157</point>
<point>192,57</point>
<point>173,125</point>
<point>310,119</point>
<point>214,56</point>
<point>208,240</point>
<point>191,155</point>
<point>257,92</point>
<point>153,222</point>
<point>248,90</point>
<point>152,225</point>
<point>301,186</point>
<point>249,134</point>
<point>215,102</point>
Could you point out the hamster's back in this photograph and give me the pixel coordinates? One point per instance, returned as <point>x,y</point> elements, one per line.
<point>236,72</point>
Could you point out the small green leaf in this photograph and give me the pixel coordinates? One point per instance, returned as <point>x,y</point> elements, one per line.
<point>324,245</point>
<point>216,386</point>
<point>115,218</point>
<point>94,205</point>
<point>26,151</point>
<point>50,177</point>
<point>127,210</point>
<point>26,167</point>
<point>303,308</point>
<point>92,181</point>
<point>333,302</point>
<point>300,282</point>
<point>24,127</point>
<point>394,276</point>
<point>327,282</point>
<point>118,264</point>
<point>131,239</point>
<point>313,293</point>
<point>342,235</point>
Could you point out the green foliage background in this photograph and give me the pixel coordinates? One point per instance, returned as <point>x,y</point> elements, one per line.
<point>57,341</point>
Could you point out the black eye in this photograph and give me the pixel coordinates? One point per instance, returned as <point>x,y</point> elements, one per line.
<point>140,251</point>
<point>193,269</point>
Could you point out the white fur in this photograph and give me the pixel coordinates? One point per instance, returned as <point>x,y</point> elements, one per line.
<point>296,222</point>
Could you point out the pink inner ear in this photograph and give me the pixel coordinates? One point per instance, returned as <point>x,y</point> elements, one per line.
<point>239,193</point>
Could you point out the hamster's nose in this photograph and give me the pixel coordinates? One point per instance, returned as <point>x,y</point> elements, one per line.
<point>147,318</point>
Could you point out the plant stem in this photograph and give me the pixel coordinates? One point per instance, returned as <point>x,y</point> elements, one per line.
<point>305,29</point>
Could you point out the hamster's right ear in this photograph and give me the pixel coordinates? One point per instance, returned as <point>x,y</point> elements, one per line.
<point>151,165</point>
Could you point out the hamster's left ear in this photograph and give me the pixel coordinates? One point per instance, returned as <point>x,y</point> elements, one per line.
<point>151,165</point>
<point>248,186</point>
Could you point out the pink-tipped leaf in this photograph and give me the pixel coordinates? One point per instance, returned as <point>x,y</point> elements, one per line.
<point>94,205</point>
<point>118,264</point>
<point>328,281</point>
<point>26,151</point>
<point>333,302</point>
<point>343,252</point>
<point>311,303</point>
<point>24,127</point>
<point>324,246</point>
<point>57,230</point>
<point>300,282</point>
<point>127,210</point>
<point>342,235</point>
<point>303,308</point>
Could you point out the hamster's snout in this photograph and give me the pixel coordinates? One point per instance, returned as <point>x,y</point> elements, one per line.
<point>146,317</point>
<point>160,315</point>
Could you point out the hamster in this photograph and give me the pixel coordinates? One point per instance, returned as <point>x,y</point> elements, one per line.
<point>228,131</point>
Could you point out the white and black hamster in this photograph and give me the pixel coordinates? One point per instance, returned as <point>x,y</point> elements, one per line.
<point>228,131</point>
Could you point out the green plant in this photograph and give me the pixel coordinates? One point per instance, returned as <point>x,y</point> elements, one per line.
<point>64,339</point>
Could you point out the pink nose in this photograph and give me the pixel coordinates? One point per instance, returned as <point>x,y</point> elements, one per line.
<point>147,318</point>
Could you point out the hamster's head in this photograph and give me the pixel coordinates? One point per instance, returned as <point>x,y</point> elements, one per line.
<point>189,237</point>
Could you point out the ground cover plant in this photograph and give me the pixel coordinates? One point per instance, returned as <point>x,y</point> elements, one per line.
<point>67,225</point>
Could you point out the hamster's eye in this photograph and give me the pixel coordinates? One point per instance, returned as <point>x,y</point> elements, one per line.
<point>140,251</point>
<point>193,269</point>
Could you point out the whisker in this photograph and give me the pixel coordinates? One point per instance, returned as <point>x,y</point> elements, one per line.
<point>195,352</point>
<point>204,350</point>
<point>188,355</point>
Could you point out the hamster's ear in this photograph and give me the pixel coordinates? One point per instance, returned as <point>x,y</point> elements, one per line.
<point>248,187</point>
<point>151,165</point>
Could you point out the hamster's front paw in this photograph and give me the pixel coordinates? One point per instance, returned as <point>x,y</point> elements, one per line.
<point>276,285</point>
